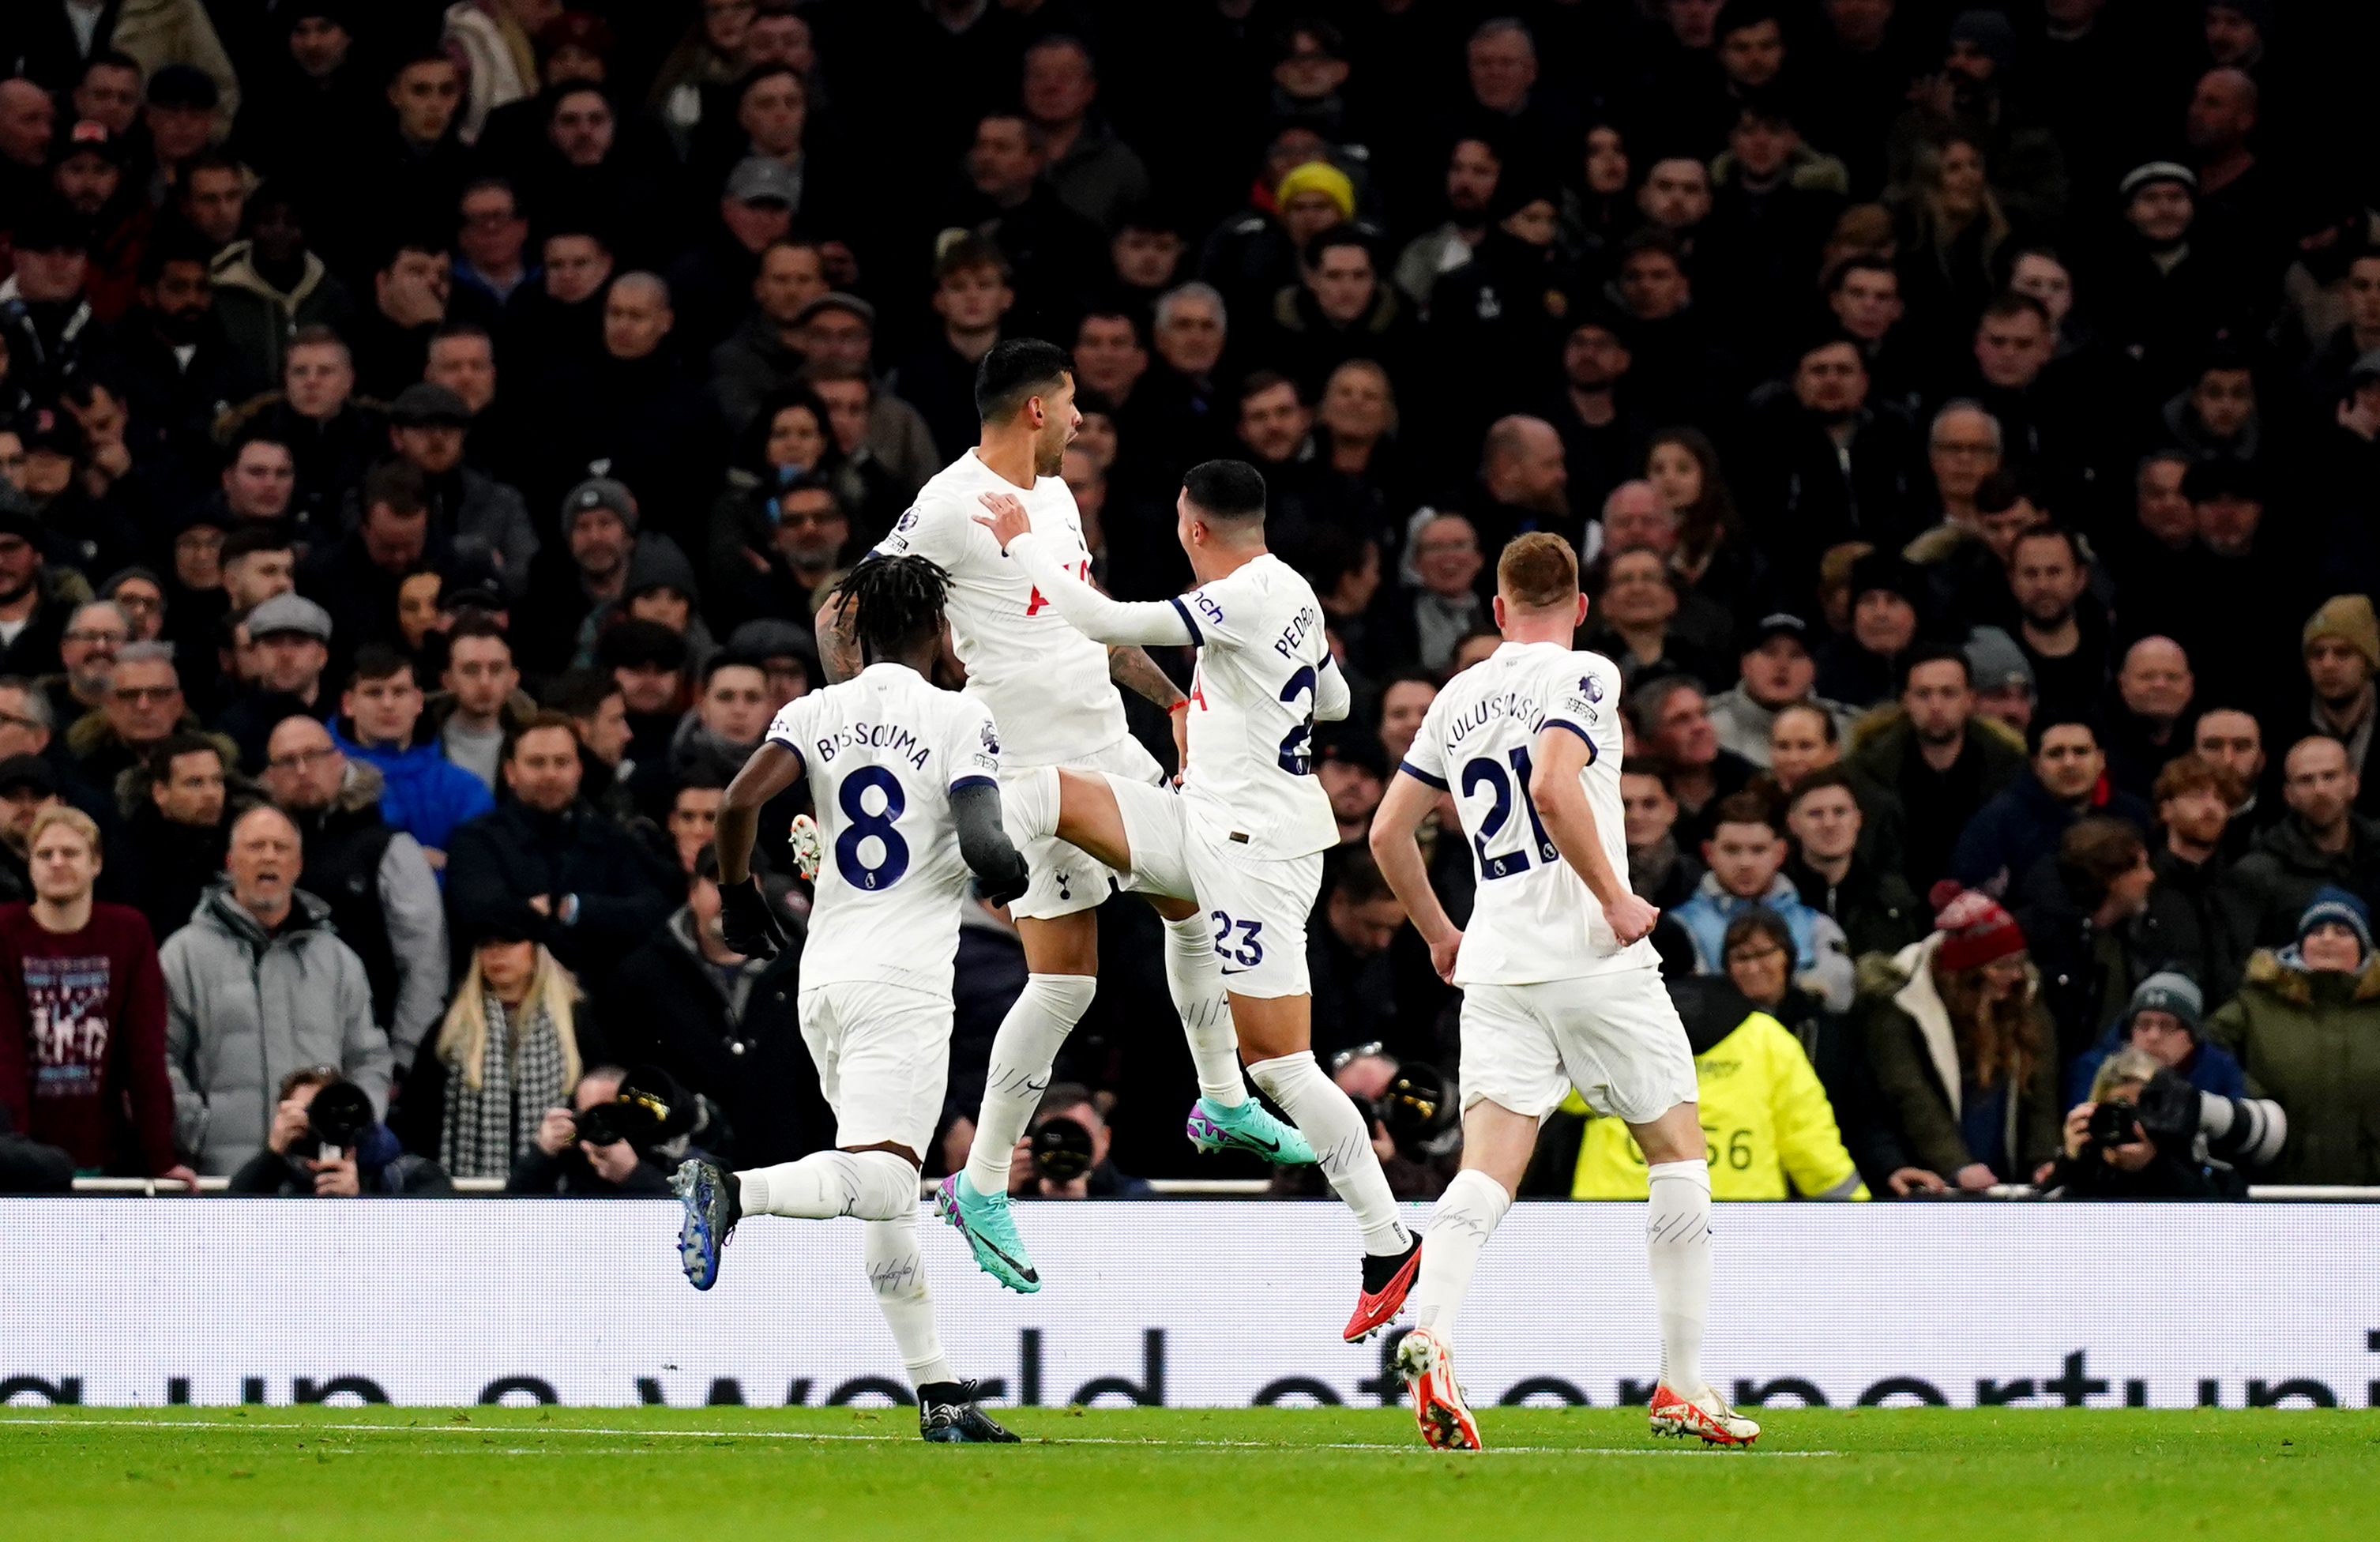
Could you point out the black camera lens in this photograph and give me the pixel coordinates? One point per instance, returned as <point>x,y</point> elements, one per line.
<point>1062,1151</point>
<point>339,1114</point>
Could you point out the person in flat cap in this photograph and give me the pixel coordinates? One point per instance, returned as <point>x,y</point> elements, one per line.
<point>291,636</point>
<point>711,285</point>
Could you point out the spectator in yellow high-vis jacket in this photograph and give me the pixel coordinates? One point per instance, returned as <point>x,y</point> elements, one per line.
<point>1765,1119</point>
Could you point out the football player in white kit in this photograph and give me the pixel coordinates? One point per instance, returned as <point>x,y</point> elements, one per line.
<point>904,777</point>
<point>1560,988</point>
<point>1246,833</point>
<point>1052,691</point>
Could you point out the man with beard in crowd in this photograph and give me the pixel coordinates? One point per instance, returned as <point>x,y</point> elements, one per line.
<point>481,700</point>
<point>547,863</point>
<point>180,368</point>
<point>1939,759</point>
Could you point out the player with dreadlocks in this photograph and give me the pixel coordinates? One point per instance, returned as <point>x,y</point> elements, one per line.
<point>905,781</point>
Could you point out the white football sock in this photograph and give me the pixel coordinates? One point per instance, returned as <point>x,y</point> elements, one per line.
<point>873,1185</point>
<point>1678,1251</point>
<point>1022,1052</point>
<point>897,1274</point>
<point>1331,1123</point>
<point>1465,1217</point>
<point>1194,976</point>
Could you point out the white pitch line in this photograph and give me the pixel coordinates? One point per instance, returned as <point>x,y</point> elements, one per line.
<point>518,1431</point>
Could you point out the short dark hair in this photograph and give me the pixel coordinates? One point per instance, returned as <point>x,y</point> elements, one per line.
<point>2050,530</point>
<point>1860,262</point>
<point>1226,488</point>
<point>1256,383</point>
<point>1743,807</point>
<point>1016,370</point>
<point>534,723</point>
<point>1938,653</point>
<point>259,536</point>
<point>1820,781</point>
<point>580,693</point>
<point>476,624</point>
<point>176,243</point>
<point>1340,236</point>
<point>378,660</point>
<point>2008,305</point>
<point>398,486</point>
<point>2069,717</point>
<point>968,254</point>
<point>1359,877</point>
<point>729,658</point>
<point>159,761</point>
<point>1828,730</point>
<point>1759,918</point>
<point>1645,765</point>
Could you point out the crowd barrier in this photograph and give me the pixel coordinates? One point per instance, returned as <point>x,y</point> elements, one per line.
<point>1190,1303</point>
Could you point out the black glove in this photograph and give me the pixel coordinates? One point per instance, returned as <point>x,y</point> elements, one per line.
<point>748,921</point>
<point>1000,888</point>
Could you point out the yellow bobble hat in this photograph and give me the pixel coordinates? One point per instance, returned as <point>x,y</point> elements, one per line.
<point>1317,177</point>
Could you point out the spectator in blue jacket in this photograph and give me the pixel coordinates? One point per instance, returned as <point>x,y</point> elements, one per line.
<point>424,795</point>
<point>2067,781</point>
<point>2167,1018</point>
<point>1746,854</point>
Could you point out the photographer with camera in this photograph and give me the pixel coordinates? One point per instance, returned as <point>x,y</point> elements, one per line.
<point>326,1143</point>
<point>2167,1018</point>
<point>2146,1133</point>
<point>1064,1153</point>
<point>1410,1111</point>
<point>619,1139</point>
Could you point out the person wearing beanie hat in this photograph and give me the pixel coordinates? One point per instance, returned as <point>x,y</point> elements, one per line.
<point>1860,667</point>
<point>2340,645</point>
<point>1964,1052</point>
<point>2306,1029</point>
<point>1317,183</point>
<point>2166,1020</point>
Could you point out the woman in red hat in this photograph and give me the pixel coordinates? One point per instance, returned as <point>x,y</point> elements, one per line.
<point>1963,1049</point>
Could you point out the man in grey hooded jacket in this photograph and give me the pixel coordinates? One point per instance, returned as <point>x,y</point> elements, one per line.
<point>257,986</point>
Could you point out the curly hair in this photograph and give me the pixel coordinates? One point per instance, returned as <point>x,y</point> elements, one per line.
<point>894,602</point>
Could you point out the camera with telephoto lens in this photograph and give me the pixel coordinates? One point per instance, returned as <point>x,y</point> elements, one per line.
<point>1413,1108</point>
<point>2166,1113</point>
<point>650,1110</point>
<point>335,1120</point>
<point>1063,1150</point>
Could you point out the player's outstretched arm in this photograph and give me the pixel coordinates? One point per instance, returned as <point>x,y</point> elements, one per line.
<point>1000,868</point>
<point>745,917</point>
<point>1395,847</point>
<point>1554,787</point>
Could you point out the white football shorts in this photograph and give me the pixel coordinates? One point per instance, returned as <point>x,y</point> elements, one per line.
<point>1256,907</point>
<point>1065,878</point>
<point>1614,1036</point>
<point>884,1055</point>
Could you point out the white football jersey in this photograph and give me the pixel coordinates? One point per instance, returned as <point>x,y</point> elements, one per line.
<point>883,751</point>
<point>1047,684</point>
<point>1534,920</point>
<point>1264,675</point>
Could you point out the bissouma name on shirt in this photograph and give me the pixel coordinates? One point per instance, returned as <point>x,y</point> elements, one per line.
<point>892,737</point>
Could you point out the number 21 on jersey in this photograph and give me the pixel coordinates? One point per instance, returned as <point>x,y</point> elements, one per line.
<point>1488,772</point>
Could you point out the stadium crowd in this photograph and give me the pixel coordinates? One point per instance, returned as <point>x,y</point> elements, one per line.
<point>427,430</point>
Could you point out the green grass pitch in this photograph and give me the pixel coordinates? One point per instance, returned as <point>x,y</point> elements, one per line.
<point>1137,1476</point>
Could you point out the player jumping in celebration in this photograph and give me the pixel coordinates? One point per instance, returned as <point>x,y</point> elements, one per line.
<point>1051,690</point>
<point>1247,834</point>
<point>904,777</point>
<point>1560,987</point>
